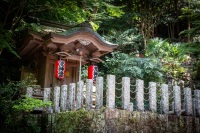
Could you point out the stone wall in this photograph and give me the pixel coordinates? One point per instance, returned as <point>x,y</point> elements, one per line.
<point>107,120</point>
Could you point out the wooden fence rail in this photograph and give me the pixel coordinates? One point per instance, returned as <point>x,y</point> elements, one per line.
<point>159,99</point>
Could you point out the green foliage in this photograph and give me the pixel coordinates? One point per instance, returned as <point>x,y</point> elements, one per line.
<point>73,121</point>
<point>6,41</point>
<point>128,40</point>
<point>28,104</point>
<point>121,64</point>
<point>171,56</point>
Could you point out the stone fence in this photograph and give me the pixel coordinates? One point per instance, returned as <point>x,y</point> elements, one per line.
<point>160,99</point>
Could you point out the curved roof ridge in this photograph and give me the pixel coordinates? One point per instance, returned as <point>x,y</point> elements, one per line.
<point>76,30</point>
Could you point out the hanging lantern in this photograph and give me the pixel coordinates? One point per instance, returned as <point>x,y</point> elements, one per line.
<point>60,69</point>
<point>92,72</point>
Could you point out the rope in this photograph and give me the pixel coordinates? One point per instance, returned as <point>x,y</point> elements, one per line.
<point>118,89</point>
<point>118,96</point>
<point>118,83</point>
<point>133,91</point>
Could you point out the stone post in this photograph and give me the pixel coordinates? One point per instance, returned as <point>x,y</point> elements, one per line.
<point>126,93</point>
<point>56,98</point>
<point>197,125</point>
<point>29,91</point>
<point>164,99</point>
<point>47,97</point>
<point>197,101</point>
<point>140,94</point>
<point>80,86</point>
<point>63,98</point>
<point>72,87</point>
<point>131,107</point>
<point>89,87</point>
<point>47,94</point>
<point>177,100</point>
<point>99,92</point>
<point>188,101</point>
<point>152,97</point>
<point>110,92</point>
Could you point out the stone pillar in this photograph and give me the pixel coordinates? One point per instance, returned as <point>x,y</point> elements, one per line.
<point>110,92</point>
<point>56,98</point>
<point>29,91</point>
<point>80,86</point>
<point>126,93</point>
<point>89,87</point>
<point>164,99</point>
<point>99,92</point>
<point>63,98</point>
<point>197,125</point>
<point>47,94</point>
<point>131,107</point>
<point>177,100</point>
<point>72,87</point>
<point>152,97</point>
<point>47,97</point>
<point>197,101</point>
<point>188,101</point>
<point>140,94</point>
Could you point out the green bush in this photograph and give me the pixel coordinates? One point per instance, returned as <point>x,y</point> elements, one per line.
<point>73,122</point>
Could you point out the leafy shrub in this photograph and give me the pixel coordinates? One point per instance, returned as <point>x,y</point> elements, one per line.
<point>121,64</point>
<point>29,104</point>
<point>73,122</point>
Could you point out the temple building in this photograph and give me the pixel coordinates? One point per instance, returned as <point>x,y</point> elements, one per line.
<point>76,46</point>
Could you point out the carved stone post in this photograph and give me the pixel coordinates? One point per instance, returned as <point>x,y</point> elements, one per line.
<point>197,125</point>
<point>72,87</point>
<point>29,91</point>
<point>47,94</point>
<point>140,94</point>
<point>80,86</point>
<point>126,93</point>
<point>63,98</point>
<point>165,99</point>
<point>131,107</point>
<point>152,97</point>
<point>56,98</point>
<point>99,92</point>
<point>110,92</point>
<point>177,100</point>
<point>89,87</point>
<point>197,101</point>
<point>47,97</point>
<point>188,101</point>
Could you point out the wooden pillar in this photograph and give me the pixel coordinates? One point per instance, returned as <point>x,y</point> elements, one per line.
<point>177,100</point>
<point>188,101</point>
<point>164,99</point>
<point>29,91</point>
<point>72,87</point>
<point>89,87</point>
<point>56,98</point>
<point>99,92</point>
<point>126,93</point>
<point>140,94</point>
<point>80,86</point>
<point>63,98</point>
<point>152,97</point>
<point>110,92</point>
